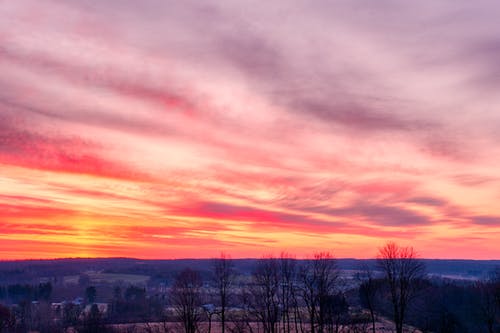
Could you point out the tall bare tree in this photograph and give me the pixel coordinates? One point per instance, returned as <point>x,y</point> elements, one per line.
<point>264,294</point>
<point>368,291</point>
<point>186,299</point>
<point>224,275</point>
<point>403,272</point>
<point>320,279</point>
<point>287,280</point>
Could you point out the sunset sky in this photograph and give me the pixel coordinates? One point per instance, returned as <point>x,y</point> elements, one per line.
<point>173,129</point>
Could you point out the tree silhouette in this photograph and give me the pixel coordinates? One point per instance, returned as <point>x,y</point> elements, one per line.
<point>223,279</point>
<point>288,279</point>
<point>263,294</point>
<point>402,273</point>
<point>368,291</point>
<point>319,281</point>
<point>186,298</point>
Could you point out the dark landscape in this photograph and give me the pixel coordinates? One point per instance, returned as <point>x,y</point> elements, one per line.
<point>270,295</point>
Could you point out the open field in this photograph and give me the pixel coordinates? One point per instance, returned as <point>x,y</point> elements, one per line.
<point>98,277</point>
<point>382,326</point>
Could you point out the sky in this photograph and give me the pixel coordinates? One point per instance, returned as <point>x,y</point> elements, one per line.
<point>176,129</point>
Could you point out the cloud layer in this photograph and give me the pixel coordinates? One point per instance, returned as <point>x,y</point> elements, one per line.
<point>180,129</point>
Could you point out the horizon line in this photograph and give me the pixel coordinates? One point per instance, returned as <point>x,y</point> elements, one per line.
<point>212,258</point>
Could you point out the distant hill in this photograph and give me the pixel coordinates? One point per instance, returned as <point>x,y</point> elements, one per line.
<point>33,270</point>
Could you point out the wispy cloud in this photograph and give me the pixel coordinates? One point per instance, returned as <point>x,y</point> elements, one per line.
<point>166,126</point>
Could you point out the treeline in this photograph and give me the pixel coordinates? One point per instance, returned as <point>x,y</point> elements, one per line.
<point>285,295</point>
<point>451,306</point>
<point>280,295</point>
<point>26,292</point>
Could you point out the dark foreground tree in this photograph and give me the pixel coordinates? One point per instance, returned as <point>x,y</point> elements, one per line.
<point>223,280</point>
<point>263,294</point>
<point>287,281</point>
<point>403,273</point>
<point>186,299</point>
<point>319,280</point>
<point>368,291</point>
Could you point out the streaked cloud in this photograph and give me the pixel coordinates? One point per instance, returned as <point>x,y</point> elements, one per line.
<point>179,129</point>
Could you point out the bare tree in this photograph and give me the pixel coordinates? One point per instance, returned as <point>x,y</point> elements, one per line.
<point>297,302</point>
<point>319,281</point>
<point>186,299</point>
<point>336,312</point>
<point>210,310</point>
<point>368,291</point>
<point>287,280</point>
<point>243,322</point>
<point>224,279</point>
<point>402,273</point>
<point>263,294</point>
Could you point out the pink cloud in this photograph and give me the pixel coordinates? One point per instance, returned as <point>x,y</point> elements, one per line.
<point>176,126</point>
